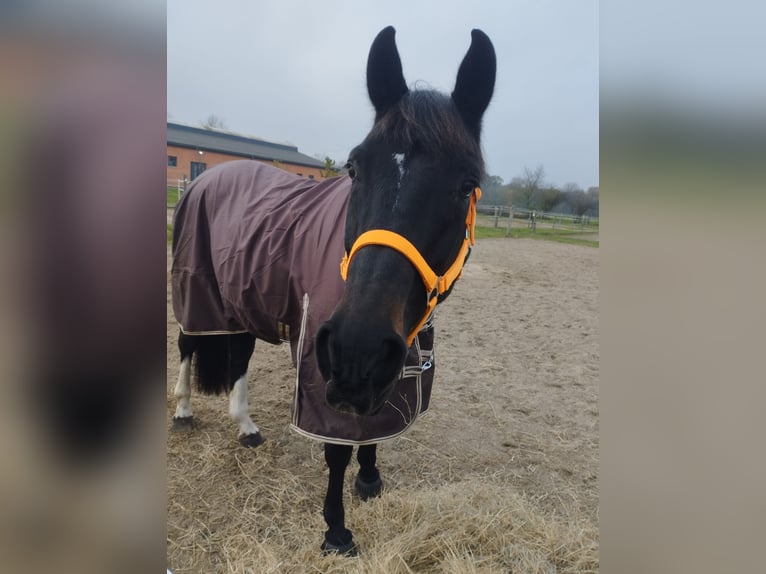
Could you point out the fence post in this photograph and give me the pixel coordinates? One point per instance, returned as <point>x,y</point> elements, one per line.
<point>497,214</point>
<point>510,221</point>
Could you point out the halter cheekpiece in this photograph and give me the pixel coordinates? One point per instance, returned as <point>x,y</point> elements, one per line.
<point>434,284</point>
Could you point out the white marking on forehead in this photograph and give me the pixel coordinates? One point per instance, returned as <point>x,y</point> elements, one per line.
<point>399,159</point>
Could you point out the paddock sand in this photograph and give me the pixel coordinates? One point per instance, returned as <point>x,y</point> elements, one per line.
<point>500,476</point>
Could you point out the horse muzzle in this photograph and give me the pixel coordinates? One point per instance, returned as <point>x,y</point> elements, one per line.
<point>360,404</point>
<point>360,365</point>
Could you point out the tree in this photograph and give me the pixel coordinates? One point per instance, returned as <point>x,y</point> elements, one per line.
<point>525,187</point>
<point>492,191</point>
<point>578,201</point>
<point>570,188</point>
<point>213,122</point>
<point>548,198</point>
<point>517,195</point>
<point>330,169</point>
<point>593,196</point>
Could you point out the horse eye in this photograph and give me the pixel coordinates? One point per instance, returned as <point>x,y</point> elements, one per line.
<point>351,170</point>
<point>467,188</point>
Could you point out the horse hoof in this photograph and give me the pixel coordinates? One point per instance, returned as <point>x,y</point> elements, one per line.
<point>350,549</point>
<point>251,440</point>
<point>183,423</point>
<point>367,490</point>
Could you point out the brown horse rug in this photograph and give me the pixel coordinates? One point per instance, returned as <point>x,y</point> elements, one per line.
<point>257,250</point>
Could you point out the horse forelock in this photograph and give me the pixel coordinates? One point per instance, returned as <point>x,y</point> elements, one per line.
<point>428,120</point>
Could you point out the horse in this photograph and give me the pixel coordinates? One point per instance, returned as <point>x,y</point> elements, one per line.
<point>349,270</point>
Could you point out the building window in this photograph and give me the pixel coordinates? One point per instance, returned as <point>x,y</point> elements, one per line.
<point>300,174</point>
<point>311,176</point>
<point>197,167</point>
<point>172,161</point>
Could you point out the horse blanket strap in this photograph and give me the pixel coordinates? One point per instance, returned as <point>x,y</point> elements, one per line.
<point>255,250</point>
<point>435,285</point>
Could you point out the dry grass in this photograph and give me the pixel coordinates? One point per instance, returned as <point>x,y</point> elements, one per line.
<point>252,518</point>
<point>249,512</point>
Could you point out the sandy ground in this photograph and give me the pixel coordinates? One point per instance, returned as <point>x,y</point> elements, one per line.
<point>514,407</point>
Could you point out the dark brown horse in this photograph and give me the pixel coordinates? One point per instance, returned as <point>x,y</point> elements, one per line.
<point>257,253</point>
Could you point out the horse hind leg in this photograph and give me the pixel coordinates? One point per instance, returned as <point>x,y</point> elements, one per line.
<point>249,433</point>
<point>368,483</point>
<point>241,349</point>
<point>220,366</point>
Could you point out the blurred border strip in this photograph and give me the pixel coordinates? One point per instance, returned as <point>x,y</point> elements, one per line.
<point>83,288</point>
<point>683,143</point>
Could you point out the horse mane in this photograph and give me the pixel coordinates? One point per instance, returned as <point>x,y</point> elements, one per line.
<point>429,120</point>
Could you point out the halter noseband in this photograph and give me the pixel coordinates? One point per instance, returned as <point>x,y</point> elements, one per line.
<point>434,284</point>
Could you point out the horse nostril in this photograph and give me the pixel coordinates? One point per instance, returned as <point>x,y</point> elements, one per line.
<point>384,365</point>
<point>393,351</point>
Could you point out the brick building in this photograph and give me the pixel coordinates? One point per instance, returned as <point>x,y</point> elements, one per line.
<point>191,150</point>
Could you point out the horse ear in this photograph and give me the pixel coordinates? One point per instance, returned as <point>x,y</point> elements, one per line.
<point>475,81</point>
<point>385,81</point>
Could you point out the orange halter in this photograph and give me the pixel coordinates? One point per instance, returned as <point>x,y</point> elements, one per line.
<point>434,284</point>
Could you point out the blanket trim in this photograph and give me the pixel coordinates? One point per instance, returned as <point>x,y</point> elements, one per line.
<point>196,333</point>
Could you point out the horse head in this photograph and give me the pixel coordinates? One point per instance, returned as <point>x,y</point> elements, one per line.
<point>415,181</point>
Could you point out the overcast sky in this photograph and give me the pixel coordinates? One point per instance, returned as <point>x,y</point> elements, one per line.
<point>294,71</point>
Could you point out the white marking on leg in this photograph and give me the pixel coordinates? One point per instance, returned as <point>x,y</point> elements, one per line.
<point>238,407</point>
<point>183,390</point>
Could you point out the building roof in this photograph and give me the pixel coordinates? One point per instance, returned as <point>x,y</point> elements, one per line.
<point>224,142</point>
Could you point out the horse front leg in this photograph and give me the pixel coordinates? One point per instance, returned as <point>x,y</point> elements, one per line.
<point>368,483</point>
<point>337,538</point>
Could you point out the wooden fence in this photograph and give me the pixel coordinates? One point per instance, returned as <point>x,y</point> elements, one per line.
<point>531,217</point>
